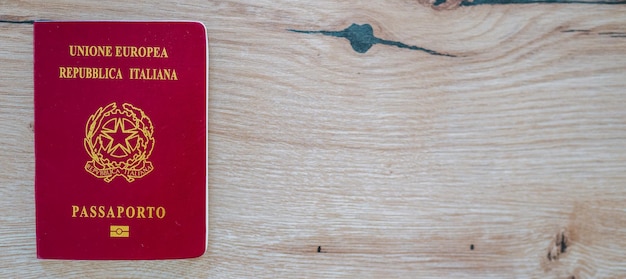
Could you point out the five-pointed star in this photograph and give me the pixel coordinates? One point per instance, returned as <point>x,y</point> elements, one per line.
<point>119,138</point>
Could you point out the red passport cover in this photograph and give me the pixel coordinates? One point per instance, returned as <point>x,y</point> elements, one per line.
<point>120,139</point>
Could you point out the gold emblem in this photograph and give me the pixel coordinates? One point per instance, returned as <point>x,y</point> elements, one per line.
<point>119,231</point>
<point>119,142</point>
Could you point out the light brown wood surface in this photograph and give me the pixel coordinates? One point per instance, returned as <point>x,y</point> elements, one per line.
<point>392,162</point>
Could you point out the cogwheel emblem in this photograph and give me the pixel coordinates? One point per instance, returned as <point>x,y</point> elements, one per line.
<point>119,142</point>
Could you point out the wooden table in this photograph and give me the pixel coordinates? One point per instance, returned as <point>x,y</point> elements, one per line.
<point>449,140</point>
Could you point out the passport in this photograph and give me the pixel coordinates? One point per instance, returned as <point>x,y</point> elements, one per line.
<point>121,140</point>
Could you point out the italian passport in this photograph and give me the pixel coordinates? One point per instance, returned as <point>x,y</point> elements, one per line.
<point>121,140</point>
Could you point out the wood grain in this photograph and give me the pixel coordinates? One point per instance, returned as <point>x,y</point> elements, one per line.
<point>325,162</point>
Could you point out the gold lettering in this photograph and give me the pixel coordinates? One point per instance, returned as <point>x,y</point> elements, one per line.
<point>110,213</point>
<point>75,210</point>
<point>174,76</point>
<point>132,72</point>
<point>90,73</point>
<point>120,210</point>
<point>140,212</point>
<point>160,212</point>
<point>130,212</point>
<point>101,211</point>
<point>92,211</point>
<point>142,51</point>
<point>83,212</point>
<point>152,74</point>
<point>94,51</point>
<point>150,210</point>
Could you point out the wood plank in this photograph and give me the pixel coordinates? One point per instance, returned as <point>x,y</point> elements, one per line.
<point>327,162</point>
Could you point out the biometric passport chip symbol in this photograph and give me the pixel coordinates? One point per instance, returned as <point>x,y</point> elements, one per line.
<point>119,142</point>
<point>119,231</point>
